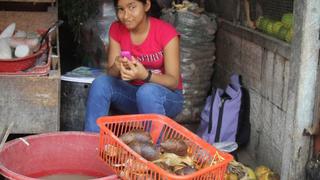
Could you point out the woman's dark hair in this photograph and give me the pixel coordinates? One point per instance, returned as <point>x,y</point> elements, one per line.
<point>115,2</point>
<point>155,10</point>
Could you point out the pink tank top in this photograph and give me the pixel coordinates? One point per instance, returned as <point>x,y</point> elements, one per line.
<point>150,51</point>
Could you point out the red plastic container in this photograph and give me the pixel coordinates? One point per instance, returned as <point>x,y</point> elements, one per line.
<point>130,165</point>
<point>53,153</point>
<point>19,64</point>
<point>37,70</point>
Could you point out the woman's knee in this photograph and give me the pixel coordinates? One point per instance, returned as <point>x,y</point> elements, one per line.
<point>150,99</point>
<point>149,92</point>
<point>102,84</point>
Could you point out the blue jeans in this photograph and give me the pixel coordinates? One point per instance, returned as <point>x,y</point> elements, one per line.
<point>129,99</point>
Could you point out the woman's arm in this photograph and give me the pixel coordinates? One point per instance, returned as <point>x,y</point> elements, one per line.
<point>169,79</point>
<point>113,64</point>
<point>171,76</point>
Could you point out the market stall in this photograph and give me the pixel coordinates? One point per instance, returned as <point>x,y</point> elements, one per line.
<point>30,95</point>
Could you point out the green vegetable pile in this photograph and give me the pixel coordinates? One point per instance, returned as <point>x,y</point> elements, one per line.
<point>278,29</point>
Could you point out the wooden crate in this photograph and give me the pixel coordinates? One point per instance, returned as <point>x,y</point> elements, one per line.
<point>32,102</point>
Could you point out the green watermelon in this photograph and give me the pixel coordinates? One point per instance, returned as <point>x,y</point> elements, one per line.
<point>258,22</point>
<point>287,20</point>
<point>264,23</point>
<point>282,33</point>
<point>276,27</point>
<point>269,27</point>
<point>289,35</point>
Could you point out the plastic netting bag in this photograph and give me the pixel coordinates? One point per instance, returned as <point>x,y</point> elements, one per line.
<point>197,50</point>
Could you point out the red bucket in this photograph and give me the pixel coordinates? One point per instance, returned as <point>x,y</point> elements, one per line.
<point>20,64</point>
<point>37,156</point>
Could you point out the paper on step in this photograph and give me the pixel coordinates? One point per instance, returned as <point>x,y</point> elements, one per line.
<point>82,74</point>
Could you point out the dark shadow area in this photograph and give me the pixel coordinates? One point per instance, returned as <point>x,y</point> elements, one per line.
<point>68,46</point>
<point>15,136</point>
<point>24,6</point>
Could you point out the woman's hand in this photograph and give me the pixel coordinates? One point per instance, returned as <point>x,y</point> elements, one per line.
<point>121,61</point>
<point>117,62</point>
<point>132,70</point>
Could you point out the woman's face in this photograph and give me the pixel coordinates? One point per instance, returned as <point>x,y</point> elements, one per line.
<point>132,12</point>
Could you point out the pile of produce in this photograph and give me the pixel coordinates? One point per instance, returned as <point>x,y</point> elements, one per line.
<point>197,48</point>
<point>17,43</point>
<point>172,155</point>
<point>237,171</point>
<point>279,29</point>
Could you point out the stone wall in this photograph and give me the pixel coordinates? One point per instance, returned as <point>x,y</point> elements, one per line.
<point>263,63</point>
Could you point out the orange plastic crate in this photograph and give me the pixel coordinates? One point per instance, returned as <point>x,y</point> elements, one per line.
<point>130,165</point>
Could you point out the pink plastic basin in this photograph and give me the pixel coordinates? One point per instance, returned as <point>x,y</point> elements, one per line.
<point>53,153</point>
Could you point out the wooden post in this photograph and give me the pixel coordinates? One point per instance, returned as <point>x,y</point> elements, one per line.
<point>302,83</point>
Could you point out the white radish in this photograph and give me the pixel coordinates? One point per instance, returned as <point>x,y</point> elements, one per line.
<point>5,50</point>
<point>20,34</point>
<point>22,51</point>
<point>8,32</point>
<point>32,43</point>
<point>31,35</point>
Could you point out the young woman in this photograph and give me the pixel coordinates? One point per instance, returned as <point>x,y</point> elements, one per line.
<point>147,82</point>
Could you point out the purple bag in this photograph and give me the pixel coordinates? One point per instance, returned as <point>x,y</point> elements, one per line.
<point>220,116</point>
